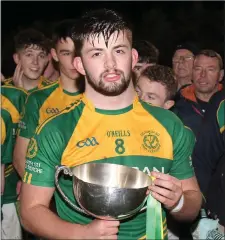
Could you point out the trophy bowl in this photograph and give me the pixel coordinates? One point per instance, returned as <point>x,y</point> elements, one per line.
<point>108,191</point>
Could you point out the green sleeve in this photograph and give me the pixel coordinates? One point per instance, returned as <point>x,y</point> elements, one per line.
<point>30,117</point>
<point>184,141</point>
<point>6,137</point>
<point>43,155</point>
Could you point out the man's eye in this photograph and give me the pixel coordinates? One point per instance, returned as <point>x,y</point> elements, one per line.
<point>137,68</point>
<point>96,54</point>
<point>66,54</point>
<point>120,51</point>
<point>151,97</point>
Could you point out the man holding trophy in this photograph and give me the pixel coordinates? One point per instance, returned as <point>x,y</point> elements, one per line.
<point>109,124</point>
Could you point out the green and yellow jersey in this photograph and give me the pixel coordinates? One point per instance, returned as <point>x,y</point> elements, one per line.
<point>139,136</point>
<point>7,144</point>
<point>220,116</point>
<point>42,104</point>
<point>6,137</point>
<point>12,100</point>
<point>42,82</point>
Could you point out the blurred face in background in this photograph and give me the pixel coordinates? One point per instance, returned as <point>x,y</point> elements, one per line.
<point>33,61</point>
<point>183,60</point>
<point>206,74</point>
<point>153,92</point>
<point>64,55</point>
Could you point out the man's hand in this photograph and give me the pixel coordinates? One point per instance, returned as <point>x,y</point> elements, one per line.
<point>166,189</point>
<point>17,77</point>
<point>101,229</point>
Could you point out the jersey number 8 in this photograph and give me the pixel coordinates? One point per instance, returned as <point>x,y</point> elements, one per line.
<point>119,146</point>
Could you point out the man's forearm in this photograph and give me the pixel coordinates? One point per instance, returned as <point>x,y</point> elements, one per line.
<point>19,165</point>
<point>48,225</point>
<point>191,207</point>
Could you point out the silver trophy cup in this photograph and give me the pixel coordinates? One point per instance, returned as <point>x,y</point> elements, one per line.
<point>106,191</point>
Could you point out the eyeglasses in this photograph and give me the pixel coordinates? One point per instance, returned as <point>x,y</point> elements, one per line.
<point>183,58</point>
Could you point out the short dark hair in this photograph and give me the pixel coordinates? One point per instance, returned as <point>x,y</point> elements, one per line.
<point>212,54</point>
<point>63,30</point>
<point>31,37</point>
<point>96,22</point>
<point>163,75</point>
<point>147,52</point>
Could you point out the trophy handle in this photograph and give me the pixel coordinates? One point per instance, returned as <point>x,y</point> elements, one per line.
<point>67,171</point>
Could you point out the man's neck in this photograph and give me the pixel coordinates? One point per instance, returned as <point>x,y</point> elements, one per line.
<point>29,84</point>
<point>183,81</point>
<point>68,84</point>
<point>111,103</point>
<point>205,97</point>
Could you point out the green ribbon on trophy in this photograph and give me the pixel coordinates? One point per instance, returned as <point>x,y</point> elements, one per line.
<point>154,225</point>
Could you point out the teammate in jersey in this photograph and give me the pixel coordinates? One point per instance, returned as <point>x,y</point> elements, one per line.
<point>109,124</point>
<point>51,99</point>
<point>31,57</point>
<point>12,100</point>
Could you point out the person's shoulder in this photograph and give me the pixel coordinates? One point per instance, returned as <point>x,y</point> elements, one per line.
<point>5,115</point>
<point>56,123</point>
<point>46,82</point>
<point>44,91</point>
<point>161,114</point>
<point>11,89</point>
<point>217,97</point>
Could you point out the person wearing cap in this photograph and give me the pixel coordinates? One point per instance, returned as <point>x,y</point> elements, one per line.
<point>193,99</point>
<point>183,60</point>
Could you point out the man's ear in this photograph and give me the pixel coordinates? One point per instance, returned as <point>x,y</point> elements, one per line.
<point>134,57</point>
<point>78,64</point>
<point>221,75</point>
<point>16,58</point>
<point>168,104</point>
<point>54,55</point>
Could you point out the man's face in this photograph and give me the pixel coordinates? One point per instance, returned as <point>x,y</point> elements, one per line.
<point>33,61</point>
<point>153,92</point>
<point>206,73</point>
<point>107,68</point>
<point>64,55</point>
<point>183,63</point>
<point>140,67</point>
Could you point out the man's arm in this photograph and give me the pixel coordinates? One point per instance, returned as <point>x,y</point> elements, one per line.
<point>35,202</point>
<point>19,154</point>
<point>27,127</point>
<point>44,154</point>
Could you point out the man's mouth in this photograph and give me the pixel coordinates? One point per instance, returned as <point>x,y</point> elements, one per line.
<point>34,69</point>
<point>111,77</point>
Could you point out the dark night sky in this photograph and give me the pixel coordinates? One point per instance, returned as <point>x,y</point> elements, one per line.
<point>16,13</point>
<point>23,13</point>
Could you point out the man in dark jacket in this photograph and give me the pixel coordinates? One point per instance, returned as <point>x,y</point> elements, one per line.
<point>209,160</point>
<point>193,100</point>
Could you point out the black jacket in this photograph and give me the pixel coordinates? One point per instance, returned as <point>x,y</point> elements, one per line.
<point>189,109</point>
<point>209,156</point>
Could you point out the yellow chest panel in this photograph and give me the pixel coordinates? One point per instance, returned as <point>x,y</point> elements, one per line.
<point>134,133</point>
<point>55,103</point>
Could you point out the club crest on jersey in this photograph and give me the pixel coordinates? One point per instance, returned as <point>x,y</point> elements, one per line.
<point>32,148</point>
<point>151,141</point>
